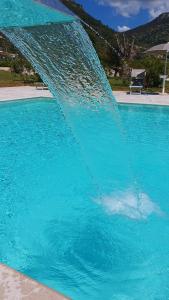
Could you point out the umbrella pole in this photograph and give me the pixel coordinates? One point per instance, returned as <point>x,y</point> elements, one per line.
<point>165,73</point>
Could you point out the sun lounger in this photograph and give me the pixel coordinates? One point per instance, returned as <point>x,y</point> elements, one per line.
<point>138,88</point>
<point>136,85</point>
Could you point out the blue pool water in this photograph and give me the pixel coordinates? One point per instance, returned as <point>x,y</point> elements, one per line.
<point>56,227</point>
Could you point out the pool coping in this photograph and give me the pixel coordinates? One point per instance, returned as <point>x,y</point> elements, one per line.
<point>15,285</point>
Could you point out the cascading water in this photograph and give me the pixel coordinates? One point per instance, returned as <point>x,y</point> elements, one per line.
<point>64,57</point>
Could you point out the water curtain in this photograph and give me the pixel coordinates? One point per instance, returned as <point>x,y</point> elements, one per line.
<point>59,49</point>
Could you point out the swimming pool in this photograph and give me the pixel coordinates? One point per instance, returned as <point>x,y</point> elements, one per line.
<point>53,225</point>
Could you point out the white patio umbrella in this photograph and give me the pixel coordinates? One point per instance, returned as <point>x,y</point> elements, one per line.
<point>161,49</point>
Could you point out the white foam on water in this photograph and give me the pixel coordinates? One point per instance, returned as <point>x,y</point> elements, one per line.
<point>129,204</point>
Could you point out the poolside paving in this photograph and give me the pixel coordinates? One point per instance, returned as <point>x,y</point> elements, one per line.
<point>16,286</point>
<point>24,92</point>
<point>124,97</point>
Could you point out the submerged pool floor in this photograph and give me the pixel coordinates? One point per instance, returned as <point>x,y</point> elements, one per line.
<point>53,225</point>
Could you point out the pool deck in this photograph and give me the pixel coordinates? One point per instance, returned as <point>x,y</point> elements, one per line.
<point>14,285</point>
<point>25,92</point>
<point>22,92</point>
<point>124,97</point>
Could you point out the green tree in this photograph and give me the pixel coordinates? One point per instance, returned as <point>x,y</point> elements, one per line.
<point>154,67</point>
<point>17,65</point>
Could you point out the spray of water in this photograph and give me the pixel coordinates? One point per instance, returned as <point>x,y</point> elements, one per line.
<point>128,205</point>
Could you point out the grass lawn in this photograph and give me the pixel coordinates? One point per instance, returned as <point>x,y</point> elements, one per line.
<point>119,84</point>
<point>13,79</point>
<point>10,79</point>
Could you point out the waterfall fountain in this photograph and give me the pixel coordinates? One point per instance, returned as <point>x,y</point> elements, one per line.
<point>58,47</point>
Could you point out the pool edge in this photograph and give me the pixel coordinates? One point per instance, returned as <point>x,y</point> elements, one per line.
<point>15,284</point>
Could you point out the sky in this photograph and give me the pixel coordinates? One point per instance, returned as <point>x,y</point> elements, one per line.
<point>122,15</point>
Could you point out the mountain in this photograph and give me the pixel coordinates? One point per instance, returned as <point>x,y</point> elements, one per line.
<point>152,33</point>
<point>102,29</point>
<point>105,53</point>
<point>147,35</point>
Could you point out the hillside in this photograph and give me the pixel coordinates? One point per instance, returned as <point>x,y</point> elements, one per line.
<point>104,52</point>
<point>147,35</point>
<point>152,33</point>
